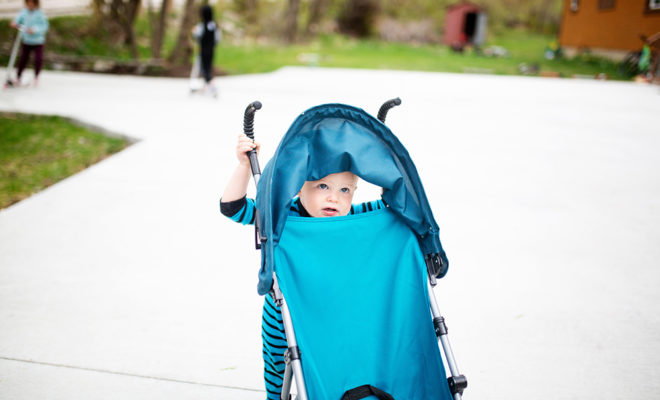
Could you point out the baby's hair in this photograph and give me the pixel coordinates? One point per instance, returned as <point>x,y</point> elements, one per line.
<point>36,2</point>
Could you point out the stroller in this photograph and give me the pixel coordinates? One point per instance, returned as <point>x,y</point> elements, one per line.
<point>355,291</point>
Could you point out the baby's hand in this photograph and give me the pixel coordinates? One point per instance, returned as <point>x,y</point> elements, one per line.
<point>244,145</point>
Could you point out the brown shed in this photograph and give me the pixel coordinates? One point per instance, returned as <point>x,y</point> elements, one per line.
<point>608,27</point>
<point>465,24</point>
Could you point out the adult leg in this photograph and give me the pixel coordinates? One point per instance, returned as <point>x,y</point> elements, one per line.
<point>274,346</point>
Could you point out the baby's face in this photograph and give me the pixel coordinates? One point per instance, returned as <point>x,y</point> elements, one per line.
<point>30,5</point>
<point>330,196</point>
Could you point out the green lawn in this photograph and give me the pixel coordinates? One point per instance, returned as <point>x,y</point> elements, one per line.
<point>38,151</point>
<point>338,51</point>
<point>70,36</point>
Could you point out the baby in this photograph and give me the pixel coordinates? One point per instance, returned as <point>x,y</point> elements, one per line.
<point>330,196</point>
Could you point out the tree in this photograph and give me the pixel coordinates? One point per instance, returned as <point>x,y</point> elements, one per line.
<point>183,49</point>
<point>357,18</point>
<point>317,9</point>
<point>249,9</point>
<point>119,17</point>
<point>291,21</point>
<point>158,26</point>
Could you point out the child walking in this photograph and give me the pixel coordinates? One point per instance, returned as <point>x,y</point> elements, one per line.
<point>208,35</point>
<point>330,196</point>
<point>34,24</point>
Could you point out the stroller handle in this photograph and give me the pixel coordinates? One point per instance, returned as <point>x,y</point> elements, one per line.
<point>248,129</point>
<point>248,118</point>
<point>382,113</point>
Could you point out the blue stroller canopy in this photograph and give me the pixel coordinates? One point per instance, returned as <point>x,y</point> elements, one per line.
<point>334,138</point>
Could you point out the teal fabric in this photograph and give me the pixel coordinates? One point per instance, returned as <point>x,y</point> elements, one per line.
<point>356,288</point>
<point>333,138</point>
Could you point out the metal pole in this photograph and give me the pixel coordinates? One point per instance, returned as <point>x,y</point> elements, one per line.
<point>290,339</point>
<point>444,340</point>
<point>286,383</point>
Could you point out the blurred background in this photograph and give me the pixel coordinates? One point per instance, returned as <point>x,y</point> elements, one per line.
<point>126,282</point>
<point>556,38</point>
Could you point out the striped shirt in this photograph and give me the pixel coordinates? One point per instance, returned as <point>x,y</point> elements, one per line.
<point>272,331</point>
<point>243,210</point>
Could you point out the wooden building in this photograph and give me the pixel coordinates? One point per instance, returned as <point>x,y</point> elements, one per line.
<point>465,24</point>
<point>607,27</point>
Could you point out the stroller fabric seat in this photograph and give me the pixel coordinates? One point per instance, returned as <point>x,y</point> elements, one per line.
<point>357,290</point>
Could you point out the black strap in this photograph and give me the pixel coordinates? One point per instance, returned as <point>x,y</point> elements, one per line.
<point>363,391</point>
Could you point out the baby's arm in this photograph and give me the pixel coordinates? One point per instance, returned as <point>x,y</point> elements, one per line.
<point>233,203</point>
<point>237,185</point>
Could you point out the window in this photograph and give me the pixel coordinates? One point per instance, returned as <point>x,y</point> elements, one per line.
<point>575,5</point>
<point>605,4</point>
<point>654,4</point>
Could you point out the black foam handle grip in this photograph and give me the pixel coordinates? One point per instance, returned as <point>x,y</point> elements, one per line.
<point>248,129</point>
<point>382,113</point>
<point>248,118</point>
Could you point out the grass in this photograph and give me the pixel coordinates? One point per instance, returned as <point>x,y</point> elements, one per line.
<point>338,51</point>
<point>70,35</point>
<point>38,151</point>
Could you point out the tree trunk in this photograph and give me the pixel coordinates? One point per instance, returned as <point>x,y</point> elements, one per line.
<point>98,7</point>
<point>152,24</point>
<point>249,10</point>
<point>159,29</point>
<point>291,21</point>
<point>183,49</point>
<point>317,9</point>
<point>121,17</point>
<point>131,8</point>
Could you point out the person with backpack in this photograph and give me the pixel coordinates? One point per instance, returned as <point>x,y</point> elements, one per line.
<point>208,35</point>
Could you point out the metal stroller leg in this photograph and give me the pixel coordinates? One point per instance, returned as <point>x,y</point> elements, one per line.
<point>292,354</point>
<point>286,383</point>
<point>457,382</point>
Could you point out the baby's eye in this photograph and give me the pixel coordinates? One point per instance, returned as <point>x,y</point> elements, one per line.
<point>323,186</point>
<point>345,190</point>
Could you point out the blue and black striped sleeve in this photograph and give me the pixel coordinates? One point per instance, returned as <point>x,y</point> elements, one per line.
<point>367,206</point>
<point>241,210</point>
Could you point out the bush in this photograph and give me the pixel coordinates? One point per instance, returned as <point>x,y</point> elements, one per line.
<point>357,17</point>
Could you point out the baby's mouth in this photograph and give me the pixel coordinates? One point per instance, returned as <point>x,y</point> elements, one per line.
<point>329,211</point>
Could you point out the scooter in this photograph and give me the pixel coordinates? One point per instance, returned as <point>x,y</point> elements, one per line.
<point>9,82</point>
<point>196,84</point>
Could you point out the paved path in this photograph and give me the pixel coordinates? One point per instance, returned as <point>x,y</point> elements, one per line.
<point>53,8</point>
<point>124,281</point>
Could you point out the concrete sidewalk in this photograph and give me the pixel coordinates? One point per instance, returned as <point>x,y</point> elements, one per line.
<point>124,281</point>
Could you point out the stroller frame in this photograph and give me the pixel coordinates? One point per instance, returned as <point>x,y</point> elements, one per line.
<point>293,370</point>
